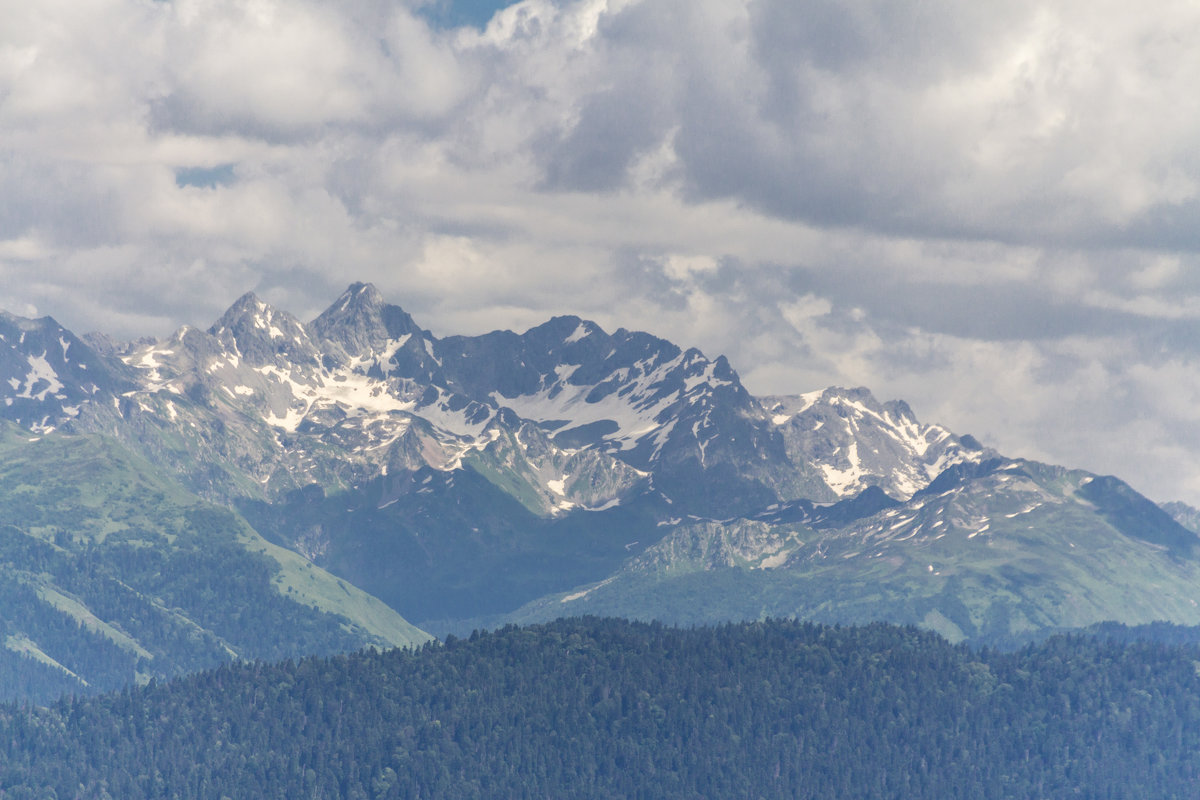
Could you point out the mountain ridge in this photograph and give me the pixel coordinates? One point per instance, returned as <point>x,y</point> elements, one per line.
<point>462,478</point>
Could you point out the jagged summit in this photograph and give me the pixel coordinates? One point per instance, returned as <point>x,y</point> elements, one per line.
<point>859,441</point>
<point>566,328</point>
<point>361,321</point>
<point>247,311</point>
<point>28,324</point>
<point>364,292</point>
<point>256,331</point>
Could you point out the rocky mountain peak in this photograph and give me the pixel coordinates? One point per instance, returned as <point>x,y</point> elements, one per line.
<point>564,330</point>
<point>262,334</point>
<point>248,305</point>
<point>49,373</point>
<point>856,441</point>
<point>364,293</point>
<point>360,321</point>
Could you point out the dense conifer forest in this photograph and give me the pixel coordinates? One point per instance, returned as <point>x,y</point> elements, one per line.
<point>608,708</point>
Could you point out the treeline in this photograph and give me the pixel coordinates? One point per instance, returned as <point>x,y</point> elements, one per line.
<point>608,708</point>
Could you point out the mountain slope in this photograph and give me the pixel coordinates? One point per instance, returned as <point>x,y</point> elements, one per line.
<point>999,550</point>
<point>526,475</point>
<point>112,573</point>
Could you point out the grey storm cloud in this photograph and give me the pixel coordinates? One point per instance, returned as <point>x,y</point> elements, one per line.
<point>989,210</point>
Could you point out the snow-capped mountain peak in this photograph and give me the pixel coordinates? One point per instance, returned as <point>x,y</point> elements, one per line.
<point>857,442</point>
<point>339,395</point>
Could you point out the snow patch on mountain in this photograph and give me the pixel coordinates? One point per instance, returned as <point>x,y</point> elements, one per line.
<point>386,356</point>
<point>40,371</point>
<point>842,481</point>
<point>580,333</point>
<point>625,407</point>
<point>632,418</point>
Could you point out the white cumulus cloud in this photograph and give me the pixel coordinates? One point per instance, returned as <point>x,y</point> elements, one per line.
<point>987,209</point>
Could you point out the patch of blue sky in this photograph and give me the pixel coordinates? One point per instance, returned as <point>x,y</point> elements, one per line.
<point>460,13</point>
<point>205,177</point>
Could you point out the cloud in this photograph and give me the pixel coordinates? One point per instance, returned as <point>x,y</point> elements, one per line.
<point>990,210</point>
<point>1020,122</point>
<point>284,70</point>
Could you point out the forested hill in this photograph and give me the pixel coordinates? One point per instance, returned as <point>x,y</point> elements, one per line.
<point>606,708</point>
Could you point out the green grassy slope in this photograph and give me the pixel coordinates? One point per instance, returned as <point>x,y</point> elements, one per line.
<point>111,572</point>
<point>1026,549</point>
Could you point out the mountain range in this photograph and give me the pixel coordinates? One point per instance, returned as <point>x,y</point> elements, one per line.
<point>162,499</point>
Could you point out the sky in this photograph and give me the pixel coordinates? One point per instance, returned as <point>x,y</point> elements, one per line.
<point>989,210</point>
